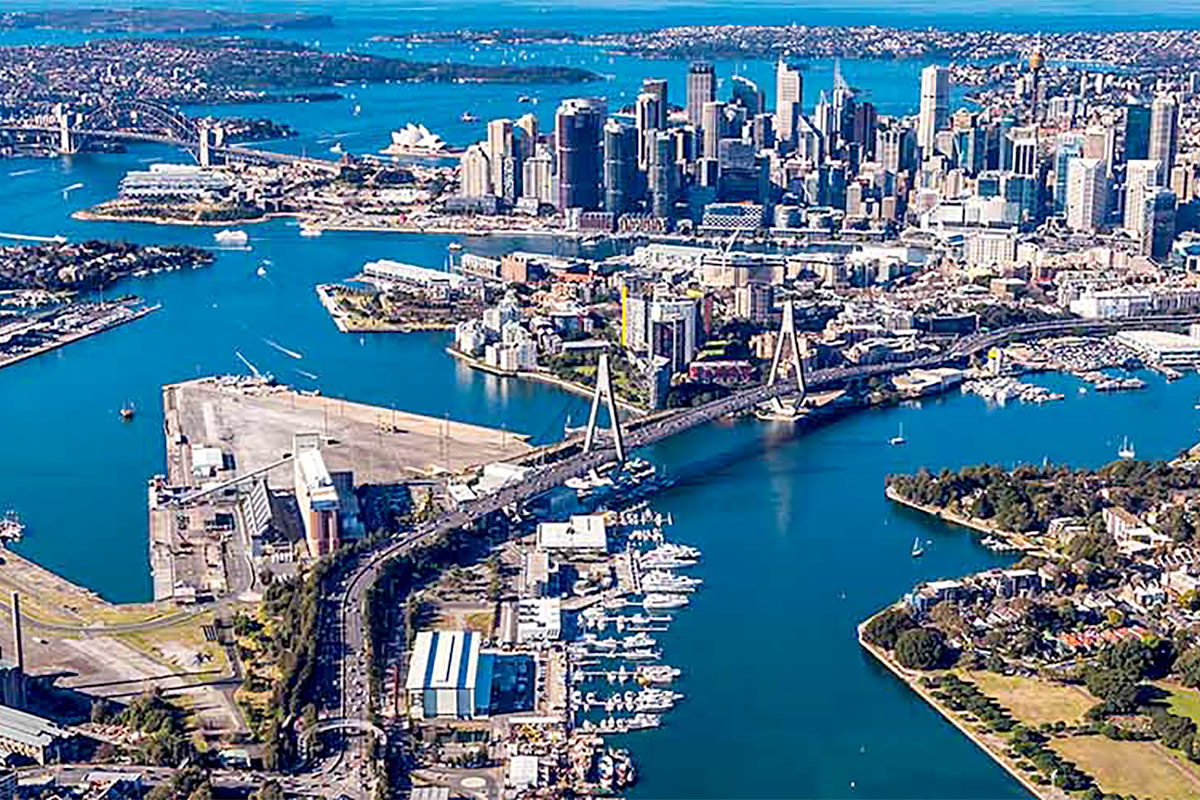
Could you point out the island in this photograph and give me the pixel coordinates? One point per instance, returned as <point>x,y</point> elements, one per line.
<point>1078,669</point>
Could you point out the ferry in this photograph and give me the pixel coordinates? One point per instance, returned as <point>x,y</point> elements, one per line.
<point>231,238</point>
<point>11,527</point>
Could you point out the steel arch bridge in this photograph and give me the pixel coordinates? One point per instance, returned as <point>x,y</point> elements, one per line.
<point>141,115</point>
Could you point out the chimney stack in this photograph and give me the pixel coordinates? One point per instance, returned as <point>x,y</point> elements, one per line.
<point>17,644</point>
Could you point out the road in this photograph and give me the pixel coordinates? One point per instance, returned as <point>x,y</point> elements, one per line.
<point>346,597</point>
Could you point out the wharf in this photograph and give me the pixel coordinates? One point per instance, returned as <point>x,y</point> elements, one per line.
<point>253,423</point>
<point>114,319</point>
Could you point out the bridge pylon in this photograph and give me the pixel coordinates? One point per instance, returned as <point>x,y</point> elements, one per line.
<point>604,389</point>
<point>787,337</point>
<point>66,142</point>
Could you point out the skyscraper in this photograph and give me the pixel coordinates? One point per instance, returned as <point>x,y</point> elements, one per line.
<point>578,127</point>
<point>1158,223</point>
<point>713,123</point>
<point>620,166</point>
<point>1137,133</point>
<point>1069,147</point>
<point>1087,193</point>
<point>746,94</point>
<point>528,125</point>
<point>663,175</point>
<point>1141,180</point>
<point>503,160</point>
<point>789,100</point>
<point>1164,134</point>
<point>935,105</point>
<point>475,175</point>
<point>646,119</point>
<point>701,89</point>
<point>657,88</point>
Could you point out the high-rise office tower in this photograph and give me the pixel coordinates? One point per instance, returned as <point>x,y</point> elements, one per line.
<point>503,160</point>
<point>935,106</point>
<point>1137,133</point>
<point>789,101</point>
<point>701,89</point>
<point>746,94</point>
<point>1158,223</point>
<point>1141,180</point>
<point>822,119</point>
<point>894,148</point>
<point>657,88</point>
<point>528,125</point>
<point>1025,156</point>
<point>1068,147</point>
<point>713,124</point>
<point>862,130</point>
<point>646,119</point>
<point>843,102</point>
<point>663,176</point>
<point>475,174</point>
<point>578,142</point>
<point>1164,134</point>
<point>1087,194</point>
<point>620,166</point>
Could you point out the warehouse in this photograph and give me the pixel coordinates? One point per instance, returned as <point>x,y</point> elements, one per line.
<point>448,678</point>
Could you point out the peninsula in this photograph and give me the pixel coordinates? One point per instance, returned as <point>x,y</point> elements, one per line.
<point>1082,659</point>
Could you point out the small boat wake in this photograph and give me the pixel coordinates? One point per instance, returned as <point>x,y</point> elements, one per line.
<point>284,350</point>
<point>253,369</point>
<point>308,374</point>
<point>21,172</point>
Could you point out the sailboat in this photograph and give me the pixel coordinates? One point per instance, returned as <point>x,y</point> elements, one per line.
<point>898,439</point>
<point>917,550</point>
<point>1126,451</point>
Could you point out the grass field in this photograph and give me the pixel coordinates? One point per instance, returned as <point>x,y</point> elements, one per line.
<point>1033,701</point>
<point>1181,700</point>
<point>1145,769</point>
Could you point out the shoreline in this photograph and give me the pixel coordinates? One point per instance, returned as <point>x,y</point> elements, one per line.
<point>76,337</point>
<point>346,325</point>
<point>1017,540</point>
<point>912,682</point>
<point>570,386</point>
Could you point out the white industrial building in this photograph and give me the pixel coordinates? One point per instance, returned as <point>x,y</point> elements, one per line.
<point>448,678</point>
<point>539,620</point>
<point>584,533</point>
<point>1163,347</point>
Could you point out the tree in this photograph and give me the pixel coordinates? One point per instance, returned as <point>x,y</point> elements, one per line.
<point>269,791</point>
<point>1118,691</point>
<point>920,648</point>
<point>1187,666</point>
<point>883,629</point>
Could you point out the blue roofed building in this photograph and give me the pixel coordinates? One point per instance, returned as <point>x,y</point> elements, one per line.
<point>448,677</point>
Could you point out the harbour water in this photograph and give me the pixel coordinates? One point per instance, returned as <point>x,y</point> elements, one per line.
<point>799,543</point>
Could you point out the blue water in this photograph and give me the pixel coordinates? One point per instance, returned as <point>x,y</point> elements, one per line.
<point>799,543</point>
